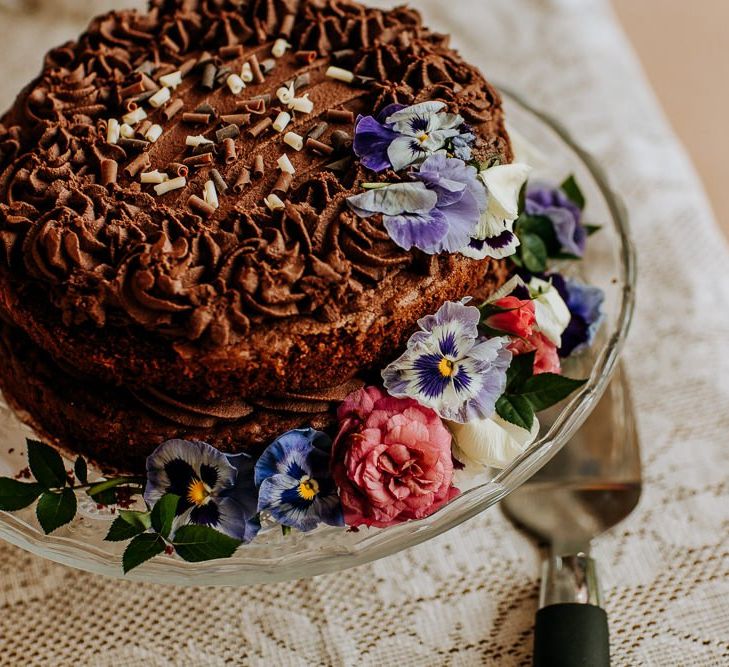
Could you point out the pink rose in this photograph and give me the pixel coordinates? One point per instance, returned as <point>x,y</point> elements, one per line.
<point>517,320</point>
<point>546,359</point>
<point>391,459</point>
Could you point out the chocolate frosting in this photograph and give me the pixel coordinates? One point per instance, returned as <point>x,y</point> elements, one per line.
<point>118,254</point>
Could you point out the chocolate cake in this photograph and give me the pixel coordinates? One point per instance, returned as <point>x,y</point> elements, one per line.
<point>141,303</point>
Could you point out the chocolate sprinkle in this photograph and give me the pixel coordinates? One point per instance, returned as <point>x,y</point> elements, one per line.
<point>306,57</point>
<point>172,108</point>
<point>137,165</point>
<point>231,51</point>
<point>220,185</point>
<point>260,127</point>
<point>339,116</point>
<point>229,149</point>
<point>244,178</point>
<point>256,69</point>
<point>237,118</point>
<point>302,81</point>
<point>134,144</point>
<point>228,132</point>
<point>179,168</point>
<point>283,183</point>
<point>208,77</point>
<point>317,130</point>
<point>200,206</point>
<point>319,147</point>
<point>342,140</point>
<point>259,167</point>
<point>109,170</point>
<point>196,118</point>
<point>198,160</point>
<point>287,25</point>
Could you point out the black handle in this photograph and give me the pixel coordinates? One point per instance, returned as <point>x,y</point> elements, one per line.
<point>571,635</point>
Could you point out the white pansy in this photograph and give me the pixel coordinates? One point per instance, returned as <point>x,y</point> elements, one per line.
<point>551,312</point>
<point>424,129</point>
<point>490,443</point>
<point>495,232</point>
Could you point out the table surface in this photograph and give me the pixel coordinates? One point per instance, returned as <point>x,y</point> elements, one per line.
<point>469,597</point>
<point>685,52</point>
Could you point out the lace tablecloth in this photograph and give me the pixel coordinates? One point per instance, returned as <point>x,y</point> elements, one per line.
<point>469,597</point>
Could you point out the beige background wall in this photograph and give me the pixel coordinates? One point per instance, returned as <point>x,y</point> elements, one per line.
<point>684,47</point>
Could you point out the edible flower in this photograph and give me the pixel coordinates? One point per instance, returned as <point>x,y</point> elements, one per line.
<point>512,316</point>
<point>449,367</point>
<point>551,312</point>
<point>494,235</point>
<point>490,443</point>
<point>391,460</point>
<point>547,201</point>
<point>402,136</point>
<point>585,305</point>
<point>546,357</point>
<point>213,491</point>
<point>294,482</point>
<point>438,212</point>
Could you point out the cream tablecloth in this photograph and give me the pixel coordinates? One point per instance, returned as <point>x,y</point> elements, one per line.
<point>468,598</point>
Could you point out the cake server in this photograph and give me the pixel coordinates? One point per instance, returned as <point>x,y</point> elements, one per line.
<point>591,485</point>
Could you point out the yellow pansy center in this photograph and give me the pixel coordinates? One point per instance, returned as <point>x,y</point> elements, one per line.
<point>308,488</point>
<point>198,492</point>
<point>446,367</point>
<point>423,137</point>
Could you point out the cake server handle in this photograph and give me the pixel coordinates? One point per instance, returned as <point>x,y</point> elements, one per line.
<point>571,627</point>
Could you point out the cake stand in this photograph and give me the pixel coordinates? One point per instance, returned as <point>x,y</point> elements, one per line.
<point>609,264</point>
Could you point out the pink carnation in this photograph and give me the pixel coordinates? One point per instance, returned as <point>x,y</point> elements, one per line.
<point>546,359</point>
<point>517,318</point>
<point>391,459</point>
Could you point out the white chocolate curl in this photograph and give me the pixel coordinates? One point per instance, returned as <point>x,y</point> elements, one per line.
<point>235,83</point>
<point>195,140</point>
<point>171,80</point>
<point>280,46</point>
<point>282,121</point>
<point>134,117</point>
<point>210,195</point>
<point>168,186</point>
<point>113,131</point>
<point>153,133</point>
<point>285,95</point>
<point>340,74</point>
<point>246,73</point>
<point>302,104</point>
<point>160,97</point>
<point>126,131</point>
<point>153,177</point>
<point>294,140</point>
<point>274,202</point>
<point>284,164</point>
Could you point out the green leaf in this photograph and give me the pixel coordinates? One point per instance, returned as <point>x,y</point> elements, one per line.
<point>200,543</point>
<point>163,513</point>
<point>520,370</point>
<point>592,229</point>
<point>55,509</point>
<point>545,390</point>
<point>517,410</point>
<point>286,530</point>
<point>141,519</point>
<point>141,549</point>
<point>81,470</point>
<point>121,530</point>
<point>522,199</point>
<point>46,465</point>
<point>15,495</point>
<point>103,492</point>
<point>573,192</point>
<point>533,253</point>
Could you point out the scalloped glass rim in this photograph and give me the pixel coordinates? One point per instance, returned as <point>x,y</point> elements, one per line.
<point>276,558</point>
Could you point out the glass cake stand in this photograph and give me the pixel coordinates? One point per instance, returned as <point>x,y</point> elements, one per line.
<point>610,264</point>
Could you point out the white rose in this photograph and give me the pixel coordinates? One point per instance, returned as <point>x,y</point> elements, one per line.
<point>551,312</point>
<point>493,442</point>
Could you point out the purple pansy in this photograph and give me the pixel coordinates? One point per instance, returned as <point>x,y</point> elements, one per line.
<point>296,486</point>
<point>548,201</point>
<point>449,367</point>
<point>437,212</point>
<point>585,305</point>
<point>402,136</point>
<point>214,490</point>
